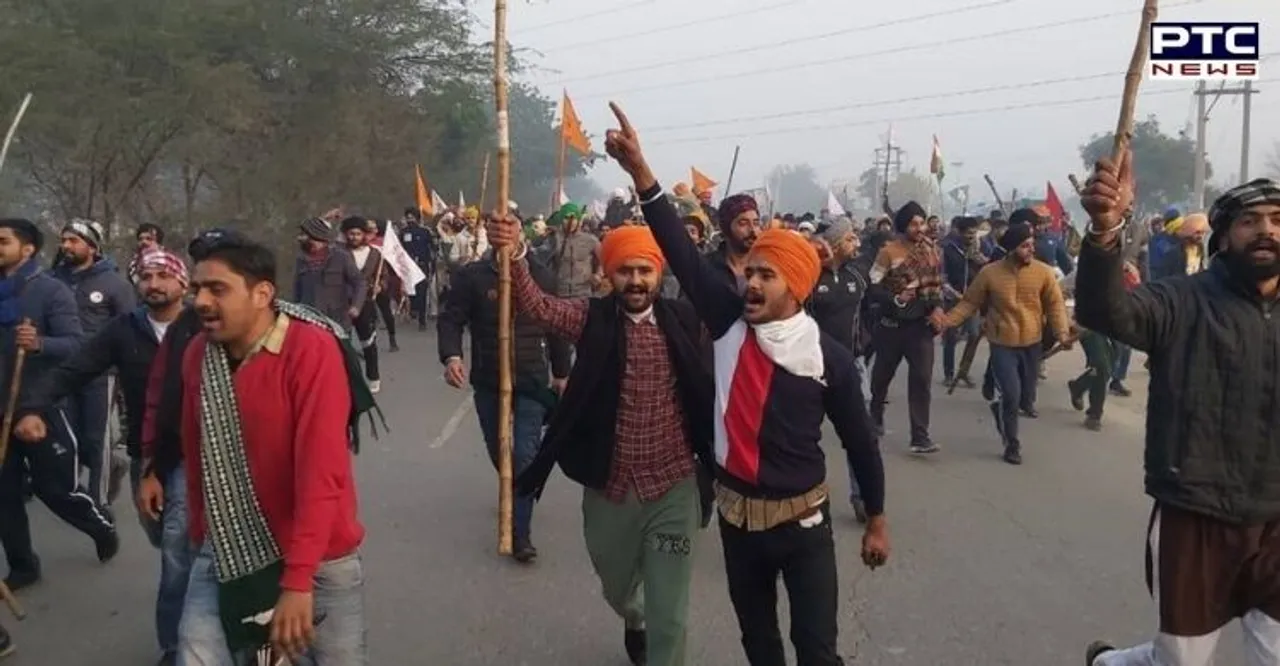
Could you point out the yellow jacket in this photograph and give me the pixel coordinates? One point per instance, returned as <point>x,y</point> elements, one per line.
<point>1017,299</point>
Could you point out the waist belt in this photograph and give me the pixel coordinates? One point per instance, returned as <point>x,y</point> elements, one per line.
<point>756,514</point>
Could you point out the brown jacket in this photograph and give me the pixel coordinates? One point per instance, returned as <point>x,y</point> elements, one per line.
<point>1017,299</point>
<point>334,288</point>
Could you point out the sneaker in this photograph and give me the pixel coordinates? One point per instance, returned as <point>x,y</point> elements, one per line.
<point>1096,649</point>
<point>859,510</point>
<point>107,546</point>
<point>524,552</point>
<point>1012,455</point>
<point>375,385</point>
<point>1077,395</point>
<point>7,646</point>
<point>924,448</point>
<point>1093,423</point>
<point>964,381</point>
<point>634,641</point>
<point>1119,389</point>
<point>1029,413</point>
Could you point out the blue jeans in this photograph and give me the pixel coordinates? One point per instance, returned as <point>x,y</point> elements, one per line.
<point>526,438</point>
<point>339,608</point>
<point>176,557</point>
<point>1013,370</point>
<point>1120,371</point>
<point>952,337</point>
<point>861,365</point>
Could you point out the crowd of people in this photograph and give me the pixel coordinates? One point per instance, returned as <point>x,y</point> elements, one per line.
<point>676,360</point>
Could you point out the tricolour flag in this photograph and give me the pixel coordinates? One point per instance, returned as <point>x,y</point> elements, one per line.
<point>935,161</point>
<point>399,260</point>
<point>571,132</point>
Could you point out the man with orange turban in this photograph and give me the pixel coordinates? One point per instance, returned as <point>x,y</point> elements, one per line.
<point>777,377</point>
<point>623,434</point>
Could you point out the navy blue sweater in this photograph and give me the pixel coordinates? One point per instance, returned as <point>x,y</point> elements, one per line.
<point>774,420</point>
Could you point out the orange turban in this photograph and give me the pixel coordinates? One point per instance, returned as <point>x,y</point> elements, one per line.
<point>791,255</point>
<point>626,243</point>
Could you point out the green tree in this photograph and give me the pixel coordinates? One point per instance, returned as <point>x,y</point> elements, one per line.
<point>1164,165</point>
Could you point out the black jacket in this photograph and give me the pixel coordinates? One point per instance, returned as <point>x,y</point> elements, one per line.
<point>1213,429</point>
<point>165,394</point>
<point>126,343</point>
<point>580,436</point>
<point>837,302</point>
<point>473,303</point>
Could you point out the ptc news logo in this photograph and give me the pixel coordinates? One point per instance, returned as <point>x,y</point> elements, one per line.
<point>1204,51</point>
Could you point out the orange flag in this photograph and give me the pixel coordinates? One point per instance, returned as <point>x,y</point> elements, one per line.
<point>571,128</point>
<point>701,183</point>
<point>424,199</point>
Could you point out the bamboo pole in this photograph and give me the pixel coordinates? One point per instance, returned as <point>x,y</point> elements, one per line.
<point>484,180</point>
<point>13,129</point>
<point>1132,79</point>
<point>555,194</point>
<point>505,467</point>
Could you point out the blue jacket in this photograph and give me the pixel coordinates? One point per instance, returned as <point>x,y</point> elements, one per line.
<point>957,267</point>
<point>1053,251</point>
<point>101,292</point>
<point>51,307</point>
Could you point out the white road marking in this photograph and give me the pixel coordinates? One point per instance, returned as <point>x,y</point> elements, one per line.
<point>451,426</point>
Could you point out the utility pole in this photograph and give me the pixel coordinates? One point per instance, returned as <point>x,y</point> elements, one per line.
<point>888,157</point>
<point>1202,121</point>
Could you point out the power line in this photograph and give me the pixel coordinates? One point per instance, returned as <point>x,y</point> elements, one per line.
<point>858,56</point>
<point>755,48</point>
<point>928,116</point>
<point>668,28</point>
<point>583,17</point>
<point>902,100</point>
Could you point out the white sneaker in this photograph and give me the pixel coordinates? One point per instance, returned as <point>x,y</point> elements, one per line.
<point>375,385</point>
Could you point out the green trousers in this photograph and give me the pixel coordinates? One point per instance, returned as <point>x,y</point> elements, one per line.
<point>1099,355</point>
<point>643,554</point>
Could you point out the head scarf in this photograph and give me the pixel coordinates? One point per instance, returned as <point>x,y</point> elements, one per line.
<point>734,206</point>
<point>571,210</point>
<point>903,217</point>
<point>352,222</point>
<point>682,190</point>
<point>164,260</point>
<point>1233,202</point>
<point>1193,223</point>
<point>1017,234</point>
<point>471,214</point>
<point>317,229</point>
<point>629,242</point>
<point>87,230</point>
<point>792,257</point>
<point>1024,216</point>
<point>837,230</point>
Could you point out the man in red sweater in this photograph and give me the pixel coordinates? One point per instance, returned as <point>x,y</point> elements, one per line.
<point>271,495</point>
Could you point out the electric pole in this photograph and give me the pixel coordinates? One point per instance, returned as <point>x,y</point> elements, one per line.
<point>887,159</point>
<point>1202,122</point>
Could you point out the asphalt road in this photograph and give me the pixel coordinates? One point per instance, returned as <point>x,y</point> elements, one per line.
<point>991,564</point>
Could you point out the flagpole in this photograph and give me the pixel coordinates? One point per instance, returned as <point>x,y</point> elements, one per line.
<point>732,168</point>
<point>564,144</point>
<point>505,467</point>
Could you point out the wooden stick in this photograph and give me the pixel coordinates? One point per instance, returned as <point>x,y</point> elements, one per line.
<point>555,194</point>
<point>484,180</point>
<point>13,129</point>
<point>15,386</point>
<point>1075,183</point>
<point>505,351</point>
<point>1132,79</point>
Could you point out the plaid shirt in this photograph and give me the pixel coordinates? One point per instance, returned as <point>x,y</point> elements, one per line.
<point>651,451</point>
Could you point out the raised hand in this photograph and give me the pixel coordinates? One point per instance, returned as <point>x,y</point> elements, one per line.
<point>623,145</point>
<point>504,231</point>
<point>1108,195</point>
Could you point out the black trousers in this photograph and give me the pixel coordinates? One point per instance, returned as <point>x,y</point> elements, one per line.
<point>912,341</point>
<point>88,412</point>
<point>53,468</point>
<point>383,301</point>
<point>806,559</point>
<point>366,326</point>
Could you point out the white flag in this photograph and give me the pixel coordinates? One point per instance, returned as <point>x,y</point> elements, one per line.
<point>562,198</point>
<point>833,205</point>
<point>398,260</point>
<point>437,202</point>
<point>462,201</point>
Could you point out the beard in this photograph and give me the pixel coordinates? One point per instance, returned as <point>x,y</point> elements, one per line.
<point>1251,269</point>
<point>636,299</point>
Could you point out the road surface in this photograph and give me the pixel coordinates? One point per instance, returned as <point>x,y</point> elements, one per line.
<point>992,564</point>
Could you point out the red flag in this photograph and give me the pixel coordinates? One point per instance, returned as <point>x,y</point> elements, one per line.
<point>1056,212</point>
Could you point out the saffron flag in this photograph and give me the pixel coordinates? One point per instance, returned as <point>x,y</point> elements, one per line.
<point>571,128</point>
<point>1057,213</point>
<point>398,260</point>
<point>425,207</point>
<point>701,183</point>
<point>935,160</point>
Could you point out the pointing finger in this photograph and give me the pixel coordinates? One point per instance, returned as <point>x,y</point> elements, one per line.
<point>623,122</point>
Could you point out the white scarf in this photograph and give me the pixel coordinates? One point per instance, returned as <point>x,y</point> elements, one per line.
<point>794,344</point>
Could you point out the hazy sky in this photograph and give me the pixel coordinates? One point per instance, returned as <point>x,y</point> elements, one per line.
<point>819,81</point>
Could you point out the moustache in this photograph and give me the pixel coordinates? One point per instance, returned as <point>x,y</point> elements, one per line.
<point>636,290</point>
<point>753,297</point>
<point>1263,244</point>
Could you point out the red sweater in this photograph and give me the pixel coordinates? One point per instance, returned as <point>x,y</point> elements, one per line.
<point>294,402</point>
